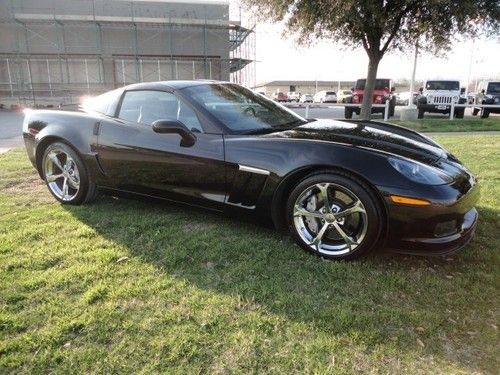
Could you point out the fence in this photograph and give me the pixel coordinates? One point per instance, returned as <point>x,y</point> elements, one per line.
<point>453,106</point>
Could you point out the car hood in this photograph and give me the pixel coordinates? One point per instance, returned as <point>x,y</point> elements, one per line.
<point>376,136</point>
<point>442,92</point>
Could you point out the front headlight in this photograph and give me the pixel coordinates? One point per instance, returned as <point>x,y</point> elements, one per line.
<point>421,173</point>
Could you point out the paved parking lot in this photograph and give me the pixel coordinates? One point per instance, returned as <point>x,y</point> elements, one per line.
<point>11,124</point>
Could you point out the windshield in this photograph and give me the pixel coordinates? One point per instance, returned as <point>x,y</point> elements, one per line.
<point>380,84</point>
<point>442,85</point>
<point>493,88</point>
<point>242,111</point>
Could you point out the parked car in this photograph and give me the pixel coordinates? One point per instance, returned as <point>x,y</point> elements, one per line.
<point>280,97</point>
<point>383,92</point>
<point>343,96</point>
<point>403,98</point>
<point>437,96</point>
<point>342,189</point>
<point>293,96</point>
<point>325,97</point>
<point>306,98</point>
<point>490,91</point>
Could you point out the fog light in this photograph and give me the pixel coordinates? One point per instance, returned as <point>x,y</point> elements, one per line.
<point>445,228</point>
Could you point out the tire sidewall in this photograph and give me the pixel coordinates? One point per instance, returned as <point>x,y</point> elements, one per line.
<point>373,212</point>
<point>82,171</point>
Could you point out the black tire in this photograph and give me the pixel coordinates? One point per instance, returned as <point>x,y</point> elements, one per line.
<point>348,113</point>
<point>371,222</point>
<point>459,113</point>
<point>475,111</point>
<point>392,107</point>
<point>486,113</point>
<point>86,190</point>
<point>420,113</point>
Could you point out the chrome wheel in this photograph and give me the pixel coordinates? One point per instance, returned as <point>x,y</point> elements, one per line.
<point>61,174</point>
<point>330,219</point>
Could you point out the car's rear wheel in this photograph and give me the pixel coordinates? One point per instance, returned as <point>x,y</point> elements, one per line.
<point>66,175</point>
<point>420,113</point>
<point>334,216</point>
<point>348,113</point>
<point>485,113</point>
<point>459,113</point>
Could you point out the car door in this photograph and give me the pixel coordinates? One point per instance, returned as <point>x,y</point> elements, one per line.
<point>137,159</point>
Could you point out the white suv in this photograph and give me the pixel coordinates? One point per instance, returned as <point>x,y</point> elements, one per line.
<point>293,96</point>
<point>437,96</point>
<point>325,97</point>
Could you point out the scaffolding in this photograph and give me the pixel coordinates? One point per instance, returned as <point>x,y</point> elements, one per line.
<point>55,51</point>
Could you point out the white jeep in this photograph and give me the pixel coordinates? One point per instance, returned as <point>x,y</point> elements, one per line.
<point>437,96</point>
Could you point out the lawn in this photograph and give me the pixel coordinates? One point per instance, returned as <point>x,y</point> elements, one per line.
<point>128,286</point>
<point>443,124</point>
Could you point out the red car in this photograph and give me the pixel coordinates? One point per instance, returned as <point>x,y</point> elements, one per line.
<point>383,92</point>
<point>280,97</point>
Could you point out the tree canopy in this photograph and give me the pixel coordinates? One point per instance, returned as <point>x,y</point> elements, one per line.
<point>379,26</point>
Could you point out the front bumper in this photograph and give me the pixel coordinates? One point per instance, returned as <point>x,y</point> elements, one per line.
<point>438,229</point>
<point>442,245</point>
<point>435,108</point>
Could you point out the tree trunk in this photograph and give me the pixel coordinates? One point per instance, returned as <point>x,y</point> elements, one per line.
<point>366,107</point>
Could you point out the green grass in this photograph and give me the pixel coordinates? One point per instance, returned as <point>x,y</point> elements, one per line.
<point>443,124</point>
<point>127,286</point>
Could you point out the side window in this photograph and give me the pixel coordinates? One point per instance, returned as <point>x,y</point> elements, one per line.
<point>149,106</point>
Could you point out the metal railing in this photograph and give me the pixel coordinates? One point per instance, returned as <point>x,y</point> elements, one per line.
<point>328,105</point>
<point>453,106</point>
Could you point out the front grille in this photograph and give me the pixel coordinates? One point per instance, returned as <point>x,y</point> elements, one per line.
<point>442,100</point>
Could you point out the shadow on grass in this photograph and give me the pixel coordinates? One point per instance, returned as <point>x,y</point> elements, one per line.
<point>383,299</point>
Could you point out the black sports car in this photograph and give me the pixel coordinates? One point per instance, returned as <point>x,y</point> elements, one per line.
<point>342,188</point>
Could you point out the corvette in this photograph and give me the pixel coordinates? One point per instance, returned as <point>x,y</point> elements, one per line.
<point>342,188</point>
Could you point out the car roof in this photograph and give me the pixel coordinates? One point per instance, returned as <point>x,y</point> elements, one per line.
<point>175,85</point>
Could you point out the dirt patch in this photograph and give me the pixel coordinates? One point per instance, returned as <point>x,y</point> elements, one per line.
<point>32,186</point>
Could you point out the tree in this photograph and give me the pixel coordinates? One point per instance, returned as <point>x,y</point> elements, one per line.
<point>382,25</point>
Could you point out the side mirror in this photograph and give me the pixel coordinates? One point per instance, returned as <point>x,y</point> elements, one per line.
<point>462,90</point>
<point>175,127</point>
<point>421,90</point>
<point>393,89</point>
<point>352,88</point>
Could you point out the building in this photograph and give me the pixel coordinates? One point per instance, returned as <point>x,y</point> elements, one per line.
<point>58,50</point>
<point>304,87</point>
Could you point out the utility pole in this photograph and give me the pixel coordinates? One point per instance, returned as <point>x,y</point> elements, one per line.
<point>470,66</point>
<point>412,83</point>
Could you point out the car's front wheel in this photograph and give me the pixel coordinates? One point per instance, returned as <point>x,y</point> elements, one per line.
<point>66,175</point>
<point>334,216</point>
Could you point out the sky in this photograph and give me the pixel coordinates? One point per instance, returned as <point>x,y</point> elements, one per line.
<point>280,58</point>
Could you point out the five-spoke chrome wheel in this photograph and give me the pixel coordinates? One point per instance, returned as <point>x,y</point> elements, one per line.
<point>330,219</point>
<point>62,175</point>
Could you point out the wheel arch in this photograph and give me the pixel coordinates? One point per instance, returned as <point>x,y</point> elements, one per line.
<point>293,178</point>
<point>42,146</point>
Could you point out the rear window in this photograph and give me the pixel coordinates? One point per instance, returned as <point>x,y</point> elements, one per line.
<point>330,93</point>
<point>442,85</point>
<point>102,103</point>
<point>380,84</point>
